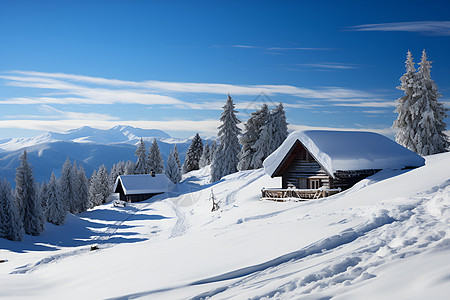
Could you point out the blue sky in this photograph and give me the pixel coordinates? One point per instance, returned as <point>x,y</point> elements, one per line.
<point>170,64</point>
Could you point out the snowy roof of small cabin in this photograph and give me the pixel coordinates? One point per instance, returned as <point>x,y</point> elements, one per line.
<point>346,150</point>
<point>144,184</point>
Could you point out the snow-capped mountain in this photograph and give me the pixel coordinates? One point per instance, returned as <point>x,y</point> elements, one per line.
<point>117,134</point>
<point>89,147</point>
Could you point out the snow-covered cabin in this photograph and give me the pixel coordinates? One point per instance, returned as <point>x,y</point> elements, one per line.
<point>134,188</point>
<point>316,159</point>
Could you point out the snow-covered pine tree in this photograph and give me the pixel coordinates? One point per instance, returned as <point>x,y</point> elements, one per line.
<point>173,170</point>
<point>93,187</point>
<point>155,159</point>
<point>280,127</point>
<point>76,195</point>
<point>204,159</point>
<point>11,226</point>
<point>82,190</point>
<point>31,210</point>
<point>99,190</point>
<point>116,170</point>
<point>56,210</point>
<point>405,121</point>
<point>430,136</point>
<point>193,154</point>
<point>251,135</point>
<point>272,135</point>
<point>176,155</point>
<point>129,168</point>
<point>212,151</point>
<point>43,195</point>
<point>66,188</point>
<point>226,156</point>
<point>142,162</point>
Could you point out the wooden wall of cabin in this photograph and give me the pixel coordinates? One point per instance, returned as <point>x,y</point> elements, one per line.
<point>347,179</point>
<point>304,166</point>
<point>139,197</point>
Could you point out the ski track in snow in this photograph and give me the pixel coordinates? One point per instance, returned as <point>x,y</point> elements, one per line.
<point>180,227</point>
<point>408,234</point>
<point>105,236</point>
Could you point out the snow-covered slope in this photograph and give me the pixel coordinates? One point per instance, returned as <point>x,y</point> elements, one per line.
<point>117,134</point>
<point>385,238</point>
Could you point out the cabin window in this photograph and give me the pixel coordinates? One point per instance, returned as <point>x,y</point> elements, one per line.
<point>302,183</point>
<point>314,183</point>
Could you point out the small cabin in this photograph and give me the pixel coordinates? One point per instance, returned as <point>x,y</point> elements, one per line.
<point>317,163</point>
<point>135,188</point>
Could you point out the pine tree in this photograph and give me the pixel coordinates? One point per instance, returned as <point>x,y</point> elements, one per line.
<point>204,159</point>
<point>82,190</point>
<point>280,129</point>
<point>430,137</point>
<point>405,121</point>
<point>142,162</point>
<point>129,168</point>
<point>99,189</point>
<point>226,156</point>
<point>176,155</point>
<point>56,212</point>
<point>155,159</point>
<point>66,186</point>
<point>116,170</point>
<point>252,133</point>
<point>212,151</point>
<point>76,190</point>
<point>272,135</point>
<point>93,188</point>
<point>11,226</point>
<point>43,195</point>
<point>25,195</point>
<point>173,170</point>
<point>193,154</point>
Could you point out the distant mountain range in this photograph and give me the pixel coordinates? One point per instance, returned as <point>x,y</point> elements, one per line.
<point>117,134</point>
<point>89,147</point>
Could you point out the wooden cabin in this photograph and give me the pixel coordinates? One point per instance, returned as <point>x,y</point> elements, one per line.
<point>315,163</point>
<point>135,188</point>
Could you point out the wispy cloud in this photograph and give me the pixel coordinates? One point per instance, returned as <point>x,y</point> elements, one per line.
<point>244,46</point>
<point>336,66</point>
<point>426,27</point>
<point>367,104</point>
<point>297,48</point>
<point>278,49</point>
<point>61,88</point>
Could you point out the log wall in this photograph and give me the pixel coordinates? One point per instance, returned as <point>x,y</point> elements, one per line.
<point>303,168</point>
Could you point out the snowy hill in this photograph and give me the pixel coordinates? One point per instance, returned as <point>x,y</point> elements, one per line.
<point>385,238</point>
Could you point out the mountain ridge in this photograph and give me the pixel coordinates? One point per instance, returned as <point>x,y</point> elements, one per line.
<point>115,135</point>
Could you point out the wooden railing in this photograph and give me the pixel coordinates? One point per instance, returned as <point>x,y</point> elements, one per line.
<point>283,195</point>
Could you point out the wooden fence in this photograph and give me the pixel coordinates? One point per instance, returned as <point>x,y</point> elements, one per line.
<point>283,195</point>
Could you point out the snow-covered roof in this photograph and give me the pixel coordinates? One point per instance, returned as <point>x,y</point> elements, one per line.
<point>346,150</point>
<point>144,184</point>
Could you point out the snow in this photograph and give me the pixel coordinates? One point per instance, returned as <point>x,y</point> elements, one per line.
<point>347,150</point>
<point>144,184</point>
<point>385,238</point>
